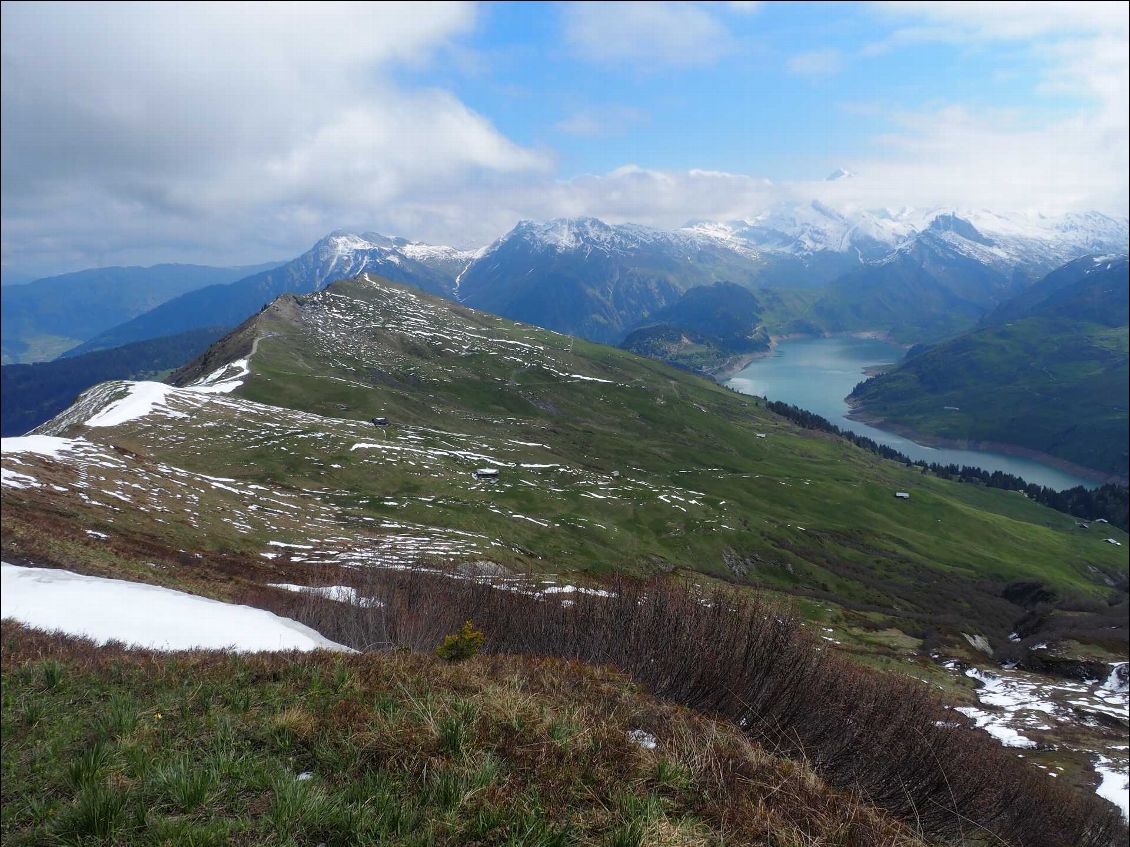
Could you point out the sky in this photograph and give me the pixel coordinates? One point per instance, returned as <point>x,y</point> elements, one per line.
<point>239,133</point>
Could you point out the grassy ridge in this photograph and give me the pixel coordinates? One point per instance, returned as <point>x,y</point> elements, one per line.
<point>674,429</point>
<point>611,463</point>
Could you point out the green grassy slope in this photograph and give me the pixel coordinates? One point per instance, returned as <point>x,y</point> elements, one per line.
<point>609,462</point>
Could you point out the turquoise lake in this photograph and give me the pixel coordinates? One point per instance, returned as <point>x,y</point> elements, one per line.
<point>818,373</point>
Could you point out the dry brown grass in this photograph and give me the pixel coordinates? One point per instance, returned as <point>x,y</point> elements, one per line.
<point>887,738</point>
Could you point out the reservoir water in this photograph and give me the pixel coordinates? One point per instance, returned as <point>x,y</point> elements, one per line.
<point>818,373</point>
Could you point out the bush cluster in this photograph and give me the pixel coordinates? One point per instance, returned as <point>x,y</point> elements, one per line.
<point>887,738</point>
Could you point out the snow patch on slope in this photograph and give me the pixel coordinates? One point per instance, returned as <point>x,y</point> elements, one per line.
<point>144,615</point>
<point>1114,784</point>
<point>15,479</point>
<point>140,400</point>
<point>995,725</point>
<point>223,380</point>
<point>1019,702</point>
<point>144,398</point>
<point>435,252</point>
<point>339,593</point>
<point>41,445</point>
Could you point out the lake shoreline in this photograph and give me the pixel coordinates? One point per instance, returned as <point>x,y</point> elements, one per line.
<point>736,365</point>
<point>818,372</point>
<point>1098,477</point>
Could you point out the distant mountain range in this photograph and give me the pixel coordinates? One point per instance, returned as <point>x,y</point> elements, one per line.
<point>918,275</point>
<point>584,277</point>
<point>1047,371</point>
<point>46,317</point>
<point>337,256</point>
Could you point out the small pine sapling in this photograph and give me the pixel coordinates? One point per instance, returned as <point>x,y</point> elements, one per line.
<point>462,645</point>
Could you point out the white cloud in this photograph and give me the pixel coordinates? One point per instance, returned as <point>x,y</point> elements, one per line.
<point>926,165</point>
<point>955,156</point>
<point>626,194</point>
<point>219,133</point>
<point>646,35</point>
<point>601,122</point>
<point>815,63</point>
<point>1066,161</point>
<point>1002,20</point>
<point>174,125</point>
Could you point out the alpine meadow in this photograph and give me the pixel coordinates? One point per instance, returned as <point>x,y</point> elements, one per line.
<point>595,424</point>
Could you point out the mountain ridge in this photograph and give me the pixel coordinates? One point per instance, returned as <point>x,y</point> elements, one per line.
<point>263,467</point>
<point>584,276</point>
<point>369,347</point>
<point>337,255</point>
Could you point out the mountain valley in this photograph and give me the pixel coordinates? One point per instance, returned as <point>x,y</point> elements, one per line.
<point>46,318</point>
<point>356,432</point>
<point>1046,371</point>
<point>486,424</point>
<point>260,466</point>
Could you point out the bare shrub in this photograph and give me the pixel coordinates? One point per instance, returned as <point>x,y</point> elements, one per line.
<point>729,653</point>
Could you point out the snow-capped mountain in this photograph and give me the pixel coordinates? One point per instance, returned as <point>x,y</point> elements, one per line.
<point>1037,242</point>
<point>1023,240</point>
<point>448,261</point>
<point>587,235</point>
<point>587,277</point>
<point>590,278</point>
<point>1016,239</point>
<point>807,229</point>
<point>340,255</point>
<point>599,280</point>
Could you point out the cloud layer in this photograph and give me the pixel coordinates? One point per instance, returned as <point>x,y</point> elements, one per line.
<point>236,133</point>
<point>646,35</point>
<point>176,122</point>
